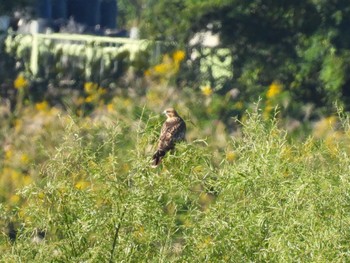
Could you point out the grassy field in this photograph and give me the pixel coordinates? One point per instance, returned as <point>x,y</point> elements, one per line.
<point>79,187</point>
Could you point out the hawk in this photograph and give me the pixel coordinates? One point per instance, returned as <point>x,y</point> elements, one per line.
<point>173,130</point>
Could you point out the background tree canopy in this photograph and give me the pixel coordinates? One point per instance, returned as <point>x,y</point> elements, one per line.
<point>302,44</point>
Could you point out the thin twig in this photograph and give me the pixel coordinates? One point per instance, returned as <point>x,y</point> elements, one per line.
<point>116,234</point>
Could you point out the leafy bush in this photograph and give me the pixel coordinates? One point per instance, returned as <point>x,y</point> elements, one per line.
<point>260,197</point>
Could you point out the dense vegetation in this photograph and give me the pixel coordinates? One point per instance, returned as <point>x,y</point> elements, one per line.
<point>82,189</point>
<point>263,176</point>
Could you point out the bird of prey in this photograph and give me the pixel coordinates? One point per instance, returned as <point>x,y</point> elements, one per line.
<point>173,130</point>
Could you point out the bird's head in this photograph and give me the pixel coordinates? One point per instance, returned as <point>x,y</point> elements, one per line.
<point>170,112</point>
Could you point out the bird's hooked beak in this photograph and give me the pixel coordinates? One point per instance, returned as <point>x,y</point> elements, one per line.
<point>164,112</point>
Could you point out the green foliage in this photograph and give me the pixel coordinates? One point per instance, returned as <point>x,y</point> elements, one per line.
<point>129,12</point>
<point>96,198</point>
<point>333,73</point>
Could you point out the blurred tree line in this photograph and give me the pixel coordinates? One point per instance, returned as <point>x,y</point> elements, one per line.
<point>302,44</point>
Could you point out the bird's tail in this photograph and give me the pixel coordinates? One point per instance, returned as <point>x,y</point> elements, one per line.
<point>157,157</point>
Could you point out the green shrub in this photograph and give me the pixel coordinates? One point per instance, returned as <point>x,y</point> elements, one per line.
<point>262,198</point>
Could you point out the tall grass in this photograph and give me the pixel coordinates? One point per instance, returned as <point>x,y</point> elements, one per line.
<point>262,197</point>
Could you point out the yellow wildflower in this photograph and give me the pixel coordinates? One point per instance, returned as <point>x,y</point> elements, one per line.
<point>101,91</point>
<point>207,90</point>
<point>24,159</point>
<point>81,185</point>
<point>14,199</point>
<point>90,98</point>
<point>110,107</point>
<point>20,82</point>
<point>231,156</point>
<point>274,89</point>
<point>90,87</point>
<point>15,176</point>
<point>161,68</point>
<point>18,125</point>
<point>178,56</point>
<point>21,213</point>
<point>42,106</point>
<point>27,180</point>
<point>8,154</point>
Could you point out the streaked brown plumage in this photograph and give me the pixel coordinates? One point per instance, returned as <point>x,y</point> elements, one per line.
<point>173,130</point>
